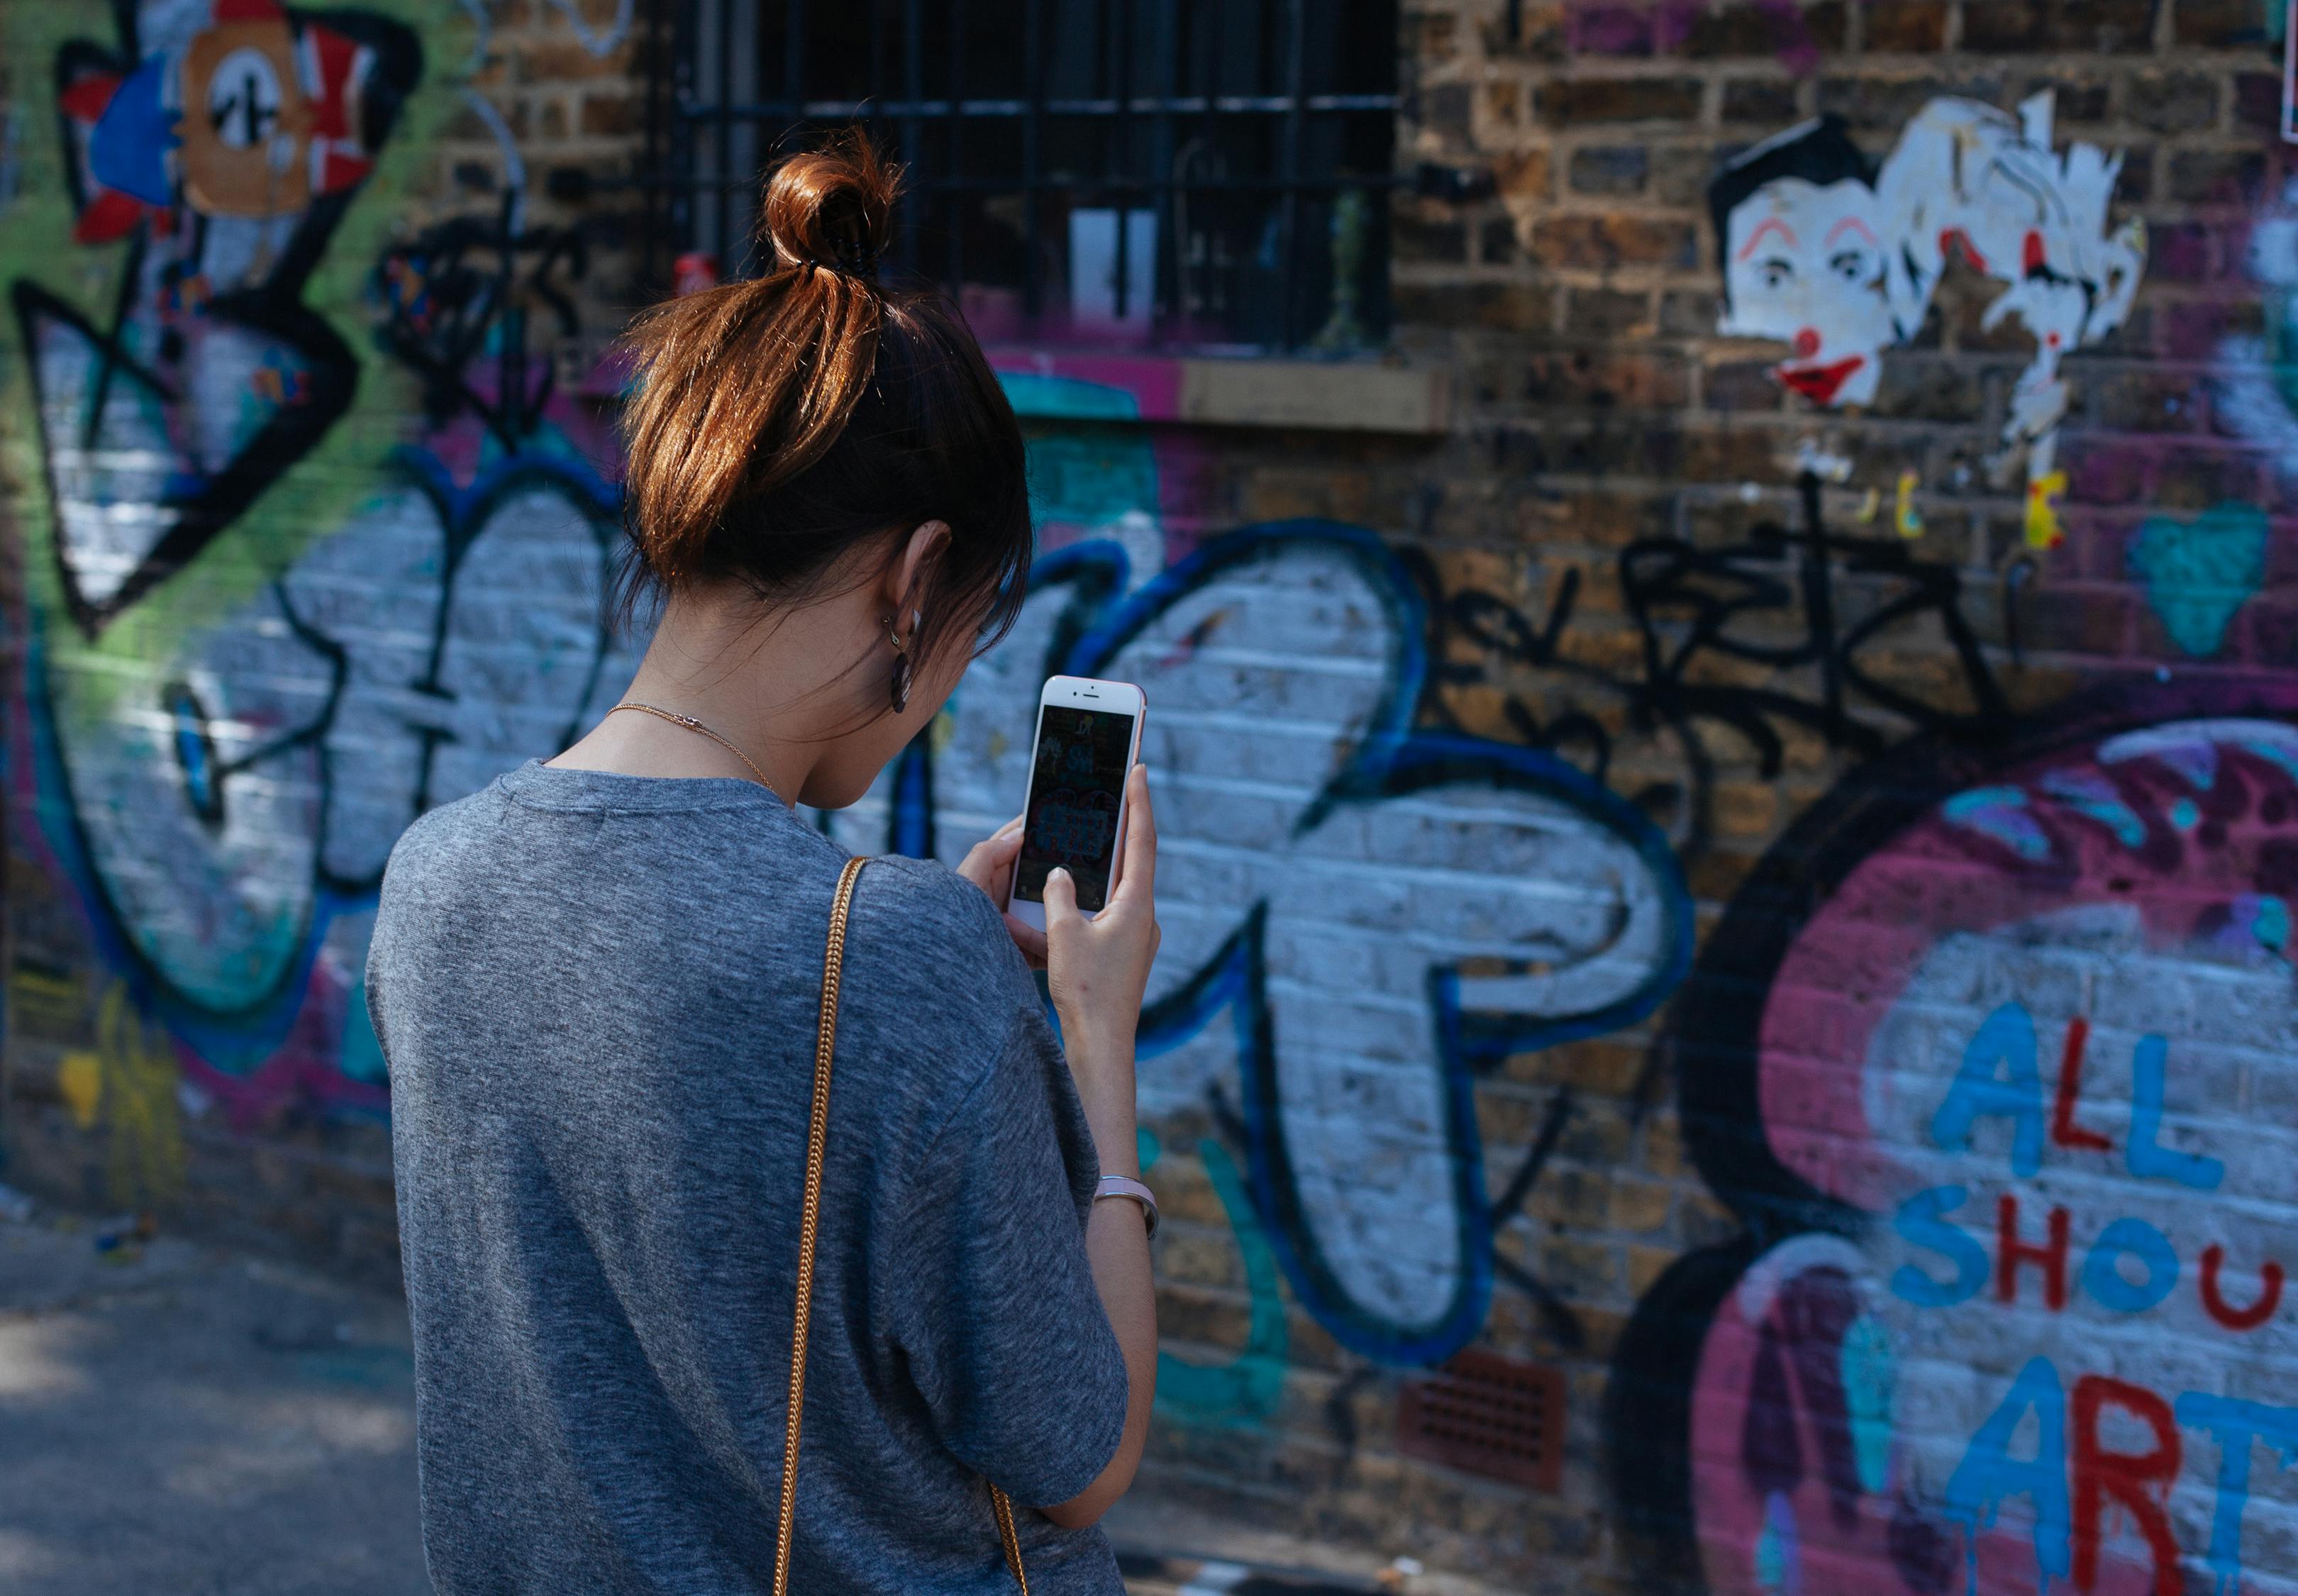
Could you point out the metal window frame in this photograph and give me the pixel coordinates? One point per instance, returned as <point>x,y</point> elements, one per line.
<point>705,143</point>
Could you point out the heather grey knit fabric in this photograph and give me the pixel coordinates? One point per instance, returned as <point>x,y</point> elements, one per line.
<point>598,995</point>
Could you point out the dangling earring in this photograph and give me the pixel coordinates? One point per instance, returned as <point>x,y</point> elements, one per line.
<point>901,647</point>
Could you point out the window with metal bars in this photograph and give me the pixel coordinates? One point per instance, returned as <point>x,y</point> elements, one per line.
<point>1208,175</point>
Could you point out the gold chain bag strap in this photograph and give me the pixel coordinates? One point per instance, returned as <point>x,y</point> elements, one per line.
<point>817,1135</point>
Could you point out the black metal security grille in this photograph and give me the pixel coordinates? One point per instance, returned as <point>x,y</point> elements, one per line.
<point>1180,172</point>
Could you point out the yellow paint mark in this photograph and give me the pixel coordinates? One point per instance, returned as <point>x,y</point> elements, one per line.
<point>80,1078</point>
<point>1906,517</point>
<point>145,1166</point>
<point>48,1003</point>
<point>2043,495</point>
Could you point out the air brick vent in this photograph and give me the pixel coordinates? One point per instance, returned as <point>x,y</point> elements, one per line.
<point>1489,1415</point>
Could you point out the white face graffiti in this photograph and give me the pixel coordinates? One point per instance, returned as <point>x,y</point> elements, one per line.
<point>1806,266</point>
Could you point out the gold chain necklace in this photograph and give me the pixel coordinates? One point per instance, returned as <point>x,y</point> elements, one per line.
<point>691,724</point>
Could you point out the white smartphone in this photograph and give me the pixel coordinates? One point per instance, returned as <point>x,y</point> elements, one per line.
<point>1089,738</point>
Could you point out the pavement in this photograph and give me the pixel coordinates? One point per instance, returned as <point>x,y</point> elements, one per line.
<point>177,1420</point>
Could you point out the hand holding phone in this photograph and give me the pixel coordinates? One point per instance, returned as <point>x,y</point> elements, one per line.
<point>989,864</point>
<point>1098,968</point>
<point>1077,874</point>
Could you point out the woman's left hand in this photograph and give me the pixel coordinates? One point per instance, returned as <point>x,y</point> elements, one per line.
<point>990,867</point>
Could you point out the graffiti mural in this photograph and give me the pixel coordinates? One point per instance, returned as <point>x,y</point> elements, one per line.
<point>1246,1391</point>
<point>1838,257</point>
<point>2198,573</point>
<point>219,779</point>
<point>1359,917</point>
<point>220,144</point>
<point>454,625</point>
<point>1993,1060</point>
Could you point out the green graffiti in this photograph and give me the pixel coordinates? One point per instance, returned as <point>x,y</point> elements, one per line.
<point>1871,1375</point>
<point>343,471</point>
<point>1067,398</point>
<point>1244,1392</point>
<point>1091,476</point>
<point>2199,572</point>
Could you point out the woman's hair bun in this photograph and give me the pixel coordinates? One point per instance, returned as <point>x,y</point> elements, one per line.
<point>832,208</point>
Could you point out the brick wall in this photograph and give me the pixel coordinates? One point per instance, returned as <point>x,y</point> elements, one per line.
<point>1674,879</point>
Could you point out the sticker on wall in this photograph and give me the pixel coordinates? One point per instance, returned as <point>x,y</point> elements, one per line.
<point>1837,258</point>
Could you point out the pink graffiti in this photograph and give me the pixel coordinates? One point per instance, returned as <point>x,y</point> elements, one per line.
<point>2012,1392</point>
<point>2171,821</point>
<point>304,1075</point>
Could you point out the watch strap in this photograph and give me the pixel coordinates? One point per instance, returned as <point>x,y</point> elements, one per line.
<point>1125,1185</point>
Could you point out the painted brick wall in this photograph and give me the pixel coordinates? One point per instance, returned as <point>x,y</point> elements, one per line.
<point>1917,555</point>
<point>303,551</point>
<point>1695,879</point>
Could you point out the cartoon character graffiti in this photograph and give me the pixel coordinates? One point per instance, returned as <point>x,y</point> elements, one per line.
<point>1986,1330</point>
<point>254,118</point>
<point>1839,259</point>
<point>1968,180</point>
<point>221,782</point>
<point>220,143</point>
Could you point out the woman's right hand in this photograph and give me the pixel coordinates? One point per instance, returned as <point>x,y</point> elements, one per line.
<point>1097,969</point>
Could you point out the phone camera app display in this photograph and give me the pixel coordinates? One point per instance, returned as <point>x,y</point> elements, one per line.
<point>1074,794</point>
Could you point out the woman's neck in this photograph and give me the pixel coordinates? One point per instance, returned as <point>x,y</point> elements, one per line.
<point>777,686</point>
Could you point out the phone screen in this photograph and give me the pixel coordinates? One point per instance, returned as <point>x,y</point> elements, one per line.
<point>1074,791</point>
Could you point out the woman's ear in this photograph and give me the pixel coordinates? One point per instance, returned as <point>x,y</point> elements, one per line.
<point>906,576</point>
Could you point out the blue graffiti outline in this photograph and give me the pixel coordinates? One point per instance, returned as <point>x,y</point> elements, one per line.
<point>237,1040</point>
<point>1391,760</point>
<point>232,1040</point>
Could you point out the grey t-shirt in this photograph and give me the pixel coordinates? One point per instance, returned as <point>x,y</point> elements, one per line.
<point>597,997</point>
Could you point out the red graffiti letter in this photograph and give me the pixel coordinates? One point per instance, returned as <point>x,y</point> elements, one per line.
<point>2269,1295</point>
<point>2010,1253</point>
<point>2099,1475</point>
<point>2063,1129</point>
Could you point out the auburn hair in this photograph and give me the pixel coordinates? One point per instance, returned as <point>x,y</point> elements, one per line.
<point>784,423</point>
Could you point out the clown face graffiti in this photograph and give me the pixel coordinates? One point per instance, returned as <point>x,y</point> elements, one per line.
<point>1803,264</point>
<point>1839,261</point>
